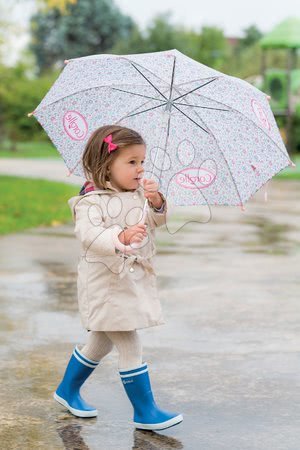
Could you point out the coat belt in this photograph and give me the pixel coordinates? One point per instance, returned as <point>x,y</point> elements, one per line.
<point>131,259</point>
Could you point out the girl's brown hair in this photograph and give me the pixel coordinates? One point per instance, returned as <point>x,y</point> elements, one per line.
<point>96,158</point>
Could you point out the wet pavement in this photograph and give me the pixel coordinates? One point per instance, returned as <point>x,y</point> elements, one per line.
<point>228,357</point>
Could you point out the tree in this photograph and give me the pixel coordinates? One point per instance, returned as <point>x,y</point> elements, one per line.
<point>61,5</point>
<point>160,35</point>
<point>135,43</point>
<point>87,27</point>
<point>245,63</point>
<point>251,35</point>
<point>18,96</point>
<point>213,47</point>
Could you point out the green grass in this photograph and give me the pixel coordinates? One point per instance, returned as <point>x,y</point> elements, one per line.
<point>27,203</point>
<point>29,150</point>
<point>291,173</point>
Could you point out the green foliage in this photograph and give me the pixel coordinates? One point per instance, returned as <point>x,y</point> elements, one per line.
<point>161,34</point>
<point>252,35</point>
<point>19,95</point>
<point>214,48</point>
<point>295,134</point>
<point>86,28</point>
<point>209,47</point>
<point>243,62</point>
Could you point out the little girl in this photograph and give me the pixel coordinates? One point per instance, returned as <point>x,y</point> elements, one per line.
<point>117,291</point>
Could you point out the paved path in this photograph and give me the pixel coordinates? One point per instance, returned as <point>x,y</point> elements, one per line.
<point>50,169</point>
<point>227,357</point>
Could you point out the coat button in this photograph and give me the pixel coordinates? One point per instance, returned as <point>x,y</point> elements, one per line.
<point>131,269</point>
<point>134,197</point>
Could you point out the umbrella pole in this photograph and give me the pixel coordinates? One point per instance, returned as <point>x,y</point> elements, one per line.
<point>144,214</point>
<point>142,221</point>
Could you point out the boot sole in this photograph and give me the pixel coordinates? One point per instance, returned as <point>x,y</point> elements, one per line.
<point>75,412</point>
<point>159,426</point>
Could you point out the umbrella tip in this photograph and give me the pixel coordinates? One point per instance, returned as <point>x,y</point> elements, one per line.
<point>30,114</point>
<point>66,61</point>
<point>292,164</point>
<point>242,207</point>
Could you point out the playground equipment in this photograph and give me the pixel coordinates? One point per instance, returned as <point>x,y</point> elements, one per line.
<point>283,85</point>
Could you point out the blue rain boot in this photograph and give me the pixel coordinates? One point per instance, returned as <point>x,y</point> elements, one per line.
<point>67,394</point>
<point>147,415</point>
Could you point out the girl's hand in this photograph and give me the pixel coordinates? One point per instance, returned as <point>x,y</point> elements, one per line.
<point>150,192</point>
<point>136,233</point>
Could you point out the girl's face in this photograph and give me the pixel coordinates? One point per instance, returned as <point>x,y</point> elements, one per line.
<point>127,168</point>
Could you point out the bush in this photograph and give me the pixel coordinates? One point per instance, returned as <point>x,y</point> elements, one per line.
<point>20,95</point>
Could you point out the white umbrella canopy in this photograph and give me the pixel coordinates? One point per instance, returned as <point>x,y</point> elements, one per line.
<point>211,138</point>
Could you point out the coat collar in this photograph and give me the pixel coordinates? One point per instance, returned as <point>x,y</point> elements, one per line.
<point>89,187</point>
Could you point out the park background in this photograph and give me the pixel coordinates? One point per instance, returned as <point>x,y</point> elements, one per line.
<point>60,29</point>
<point>228,355</point>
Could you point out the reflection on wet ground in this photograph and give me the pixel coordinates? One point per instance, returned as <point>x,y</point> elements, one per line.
<point>227,357</point>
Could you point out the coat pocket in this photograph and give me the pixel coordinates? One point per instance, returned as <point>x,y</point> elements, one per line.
<point>99,284</point>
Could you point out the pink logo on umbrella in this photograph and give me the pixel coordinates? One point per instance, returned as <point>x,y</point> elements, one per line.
<point>195,178</point>
<point>75,125</point>
<point>260,113</point>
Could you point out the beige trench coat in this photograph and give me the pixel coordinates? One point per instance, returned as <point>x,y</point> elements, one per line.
<point>116,291</point>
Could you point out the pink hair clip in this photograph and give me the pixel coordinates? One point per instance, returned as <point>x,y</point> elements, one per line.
<point>111,145</point>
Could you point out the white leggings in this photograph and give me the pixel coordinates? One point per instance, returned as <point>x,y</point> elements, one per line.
<point>128,344</point>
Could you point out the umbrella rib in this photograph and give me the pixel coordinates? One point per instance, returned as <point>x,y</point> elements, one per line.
<point>145,110</point>
<point>193,81</point>
<point>232,109</point>
<point>248,118</point>
<point>169,117</point>
<point>222,153</point>
<point>166,143</point>
<point>158,146</point>
<point>107,86</point>
<point>172,80</point>
<point>131,115</point>
<point>133,110</point>
<point>141,73</point>
<point>190,119</point>
<point>205,107</point>
<point>83,90</point>
<point>198,87</point>
<point>176,88</point>
<point>148,70</point>
<point>139,95</point>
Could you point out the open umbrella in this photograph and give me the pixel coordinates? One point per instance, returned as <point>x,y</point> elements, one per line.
<point>211,138</point>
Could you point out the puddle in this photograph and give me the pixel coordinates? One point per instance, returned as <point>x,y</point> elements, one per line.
<point>270,238</point>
